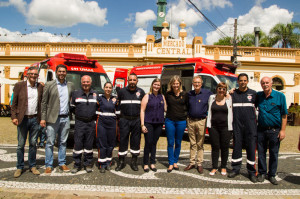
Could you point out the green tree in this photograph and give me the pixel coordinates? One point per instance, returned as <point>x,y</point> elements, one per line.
<point>225,41</point>
<point>286,34</point>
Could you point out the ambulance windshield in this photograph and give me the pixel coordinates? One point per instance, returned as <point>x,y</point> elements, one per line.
<point>230,81</point>
<point>98,80</point>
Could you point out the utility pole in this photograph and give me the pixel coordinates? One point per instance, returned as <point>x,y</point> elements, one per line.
<point>235,49</point>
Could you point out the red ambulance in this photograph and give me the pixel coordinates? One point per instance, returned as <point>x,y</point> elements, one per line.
<point>77,66</point>
<point>210,71</point>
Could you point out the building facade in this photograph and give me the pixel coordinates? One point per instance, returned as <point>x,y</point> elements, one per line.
<point>283,65</point>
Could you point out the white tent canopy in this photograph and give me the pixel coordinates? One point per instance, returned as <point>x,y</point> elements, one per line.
<point>7,81</point>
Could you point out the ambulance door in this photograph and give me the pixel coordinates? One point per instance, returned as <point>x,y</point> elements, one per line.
<point>185,71</point>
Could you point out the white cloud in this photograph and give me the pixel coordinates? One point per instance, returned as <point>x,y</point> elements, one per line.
<point>265,18</point>
<point>8,36</point>
<point>139,36</point>
<point>142,18</point>
<point>57,13</point>
<point>259,2</point>
<point>130,17</point>
<point>65,13</point>
<point>19,4</point>
<point>181,10</point>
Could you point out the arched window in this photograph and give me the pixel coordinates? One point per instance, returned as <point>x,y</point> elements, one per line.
<point>277,84</point>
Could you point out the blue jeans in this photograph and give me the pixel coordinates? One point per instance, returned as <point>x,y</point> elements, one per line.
<point>268,138</point>
<point>60,129</point>
<point>42,136</point>
<point>174,131</point>
<point>27,125</point>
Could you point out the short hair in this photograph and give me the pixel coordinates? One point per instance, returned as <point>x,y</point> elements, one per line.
<point>172,80</point>
<point>32,68</point>
<point>86,76</point>
<point>198,77</point>
<point>60,66</point>
<point>222,85</point>
<point>133,75</point>
<point>243,75</point>
<point>151,87</point>
<point>108,83</point>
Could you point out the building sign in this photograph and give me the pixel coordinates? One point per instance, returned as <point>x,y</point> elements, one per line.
<point>173,47</point>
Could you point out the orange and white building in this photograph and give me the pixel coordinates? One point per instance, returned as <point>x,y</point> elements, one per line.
<point>283,65</point>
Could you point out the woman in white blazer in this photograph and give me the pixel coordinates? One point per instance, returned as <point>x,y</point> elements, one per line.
<point>219,123</point>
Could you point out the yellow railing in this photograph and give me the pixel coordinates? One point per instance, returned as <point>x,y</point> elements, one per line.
<point>129,48</point>
<point>27,47</point>
<point>68,48</point>
<point>251,51</point>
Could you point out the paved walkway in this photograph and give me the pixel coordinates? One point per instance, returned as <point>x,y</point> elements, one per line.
<point>129,184</point>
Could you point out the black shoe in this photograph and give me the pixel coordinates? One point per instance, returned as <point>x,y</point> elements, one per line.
<point>261,177</point>
<point>153,169</point>
<point>102,169</point>
<point>75,170</point>
<point>108,168</point>
<point>273,180</point>
<point>133,164</point>
<point>121,164</point>
<point>146,170</point>
<point>170,170</point>
<point>232,174</point>
<point>176,168</point>
<point>253,178</point>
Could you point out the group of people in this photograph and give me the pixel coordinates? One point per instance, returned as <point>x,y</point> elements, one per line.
<point>134,112</point>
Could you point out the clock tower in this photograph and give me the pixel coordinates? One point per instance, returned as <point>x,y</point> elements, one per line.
<point>161,14</point>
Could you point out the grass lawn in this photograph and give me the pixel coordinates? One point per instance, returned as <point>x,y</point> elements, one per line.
<point>8,135</point>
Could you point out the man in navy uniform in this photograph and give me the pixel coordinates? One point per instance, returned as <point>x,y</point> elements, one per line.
<point>129,104</point>
<point>84,105</point>
<point>244,127</point>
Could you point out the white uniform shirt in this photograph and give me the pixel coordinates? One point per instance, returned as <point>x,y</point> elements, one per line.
<point>32,95</point>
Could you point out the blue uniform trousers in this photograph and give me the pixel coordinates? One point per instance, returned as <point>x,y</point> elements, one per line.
<point>106,141</point>
<point>83,142</point>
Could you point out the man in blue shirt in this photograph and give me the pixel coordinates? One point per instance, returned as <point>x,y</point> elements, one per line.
<point>197,112</point>
<point>272,119</point>
<point>55,114</point>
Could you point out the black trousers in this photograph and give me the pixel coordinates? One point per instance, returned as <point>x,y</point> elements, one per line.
<point>244,134</point>
<point>151,138</point>
<point>219,139</point>
<point>83,142</point>
<point>106,141</point>
<point>130,128</point>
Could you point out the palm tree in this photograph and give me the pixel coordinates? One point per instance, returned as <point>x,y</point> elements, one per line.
<point>286,34</point>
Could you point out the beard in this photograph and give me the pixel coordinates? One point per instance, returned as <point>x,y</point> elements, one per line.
<point>132,85</point>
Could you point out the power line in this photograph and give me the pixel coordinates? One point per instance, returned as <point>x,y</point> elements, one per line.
<point>208,20</point>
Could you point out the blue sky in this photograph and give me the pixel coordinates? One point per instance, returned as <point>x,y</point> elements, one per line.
<point>132,20</point>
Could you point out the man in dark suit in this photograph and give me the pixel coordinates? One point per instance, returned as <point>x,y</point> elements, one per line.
<point>55,112</point>
<point>26,115</point>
